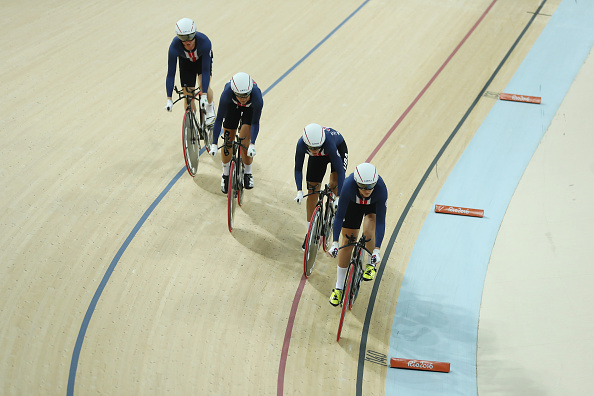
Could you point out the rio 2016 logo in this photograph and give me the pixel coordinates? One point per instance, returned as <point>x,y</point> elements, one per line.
<point>420,364</point>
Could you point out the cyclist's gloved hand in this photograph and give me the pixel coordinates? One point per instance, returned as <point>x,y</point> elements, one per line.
<point>213,149</point>
<point>251,150</point>
<point>375,257</point>
<point>169,105</point>
<point>333,249</point>
<point>203,101</point>
<point>299,197</point>
<point>335,203</point>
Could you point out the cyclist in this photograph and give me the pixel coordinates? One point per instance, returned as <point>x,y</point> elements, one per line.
<point>241,100</point>
<point>364,195</point>
<point>195,59</point>
<point>323,145</point>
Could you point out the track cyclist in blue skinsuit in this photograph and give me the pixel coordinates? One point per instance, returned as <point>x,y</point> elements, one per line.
<point>241,100</point>
<point>323,145</point>
<point>364,194</point>
<point>195,59</point>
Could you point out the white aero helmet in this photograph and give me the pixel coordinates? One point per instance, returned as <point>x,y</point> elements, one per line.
<point>242,84</point>
<point>185,29</point>
<point>314,136</point>
<point>366,176</point>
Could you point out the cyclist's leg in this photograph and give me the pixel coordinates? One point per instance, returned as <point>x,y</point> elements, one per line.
<point>245,132</point>
<point>187,77</point>
<point>333,182</point>
<point>209,92</point>
<point>316,170</point>
<point>312,185</point>
<point>351,224</point>
<point>344,257</point>
<point>210,113</point>
<point>343,152</point>
<point>187,92</point>
<point>226,153</point>
<point>226,150</point>
<point>369,231</point>
<point>230,124</point>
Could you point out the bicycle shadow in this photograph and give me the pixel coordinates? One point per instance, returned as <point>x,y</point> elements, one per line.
<point>270,215</point>
<point>209,183</point>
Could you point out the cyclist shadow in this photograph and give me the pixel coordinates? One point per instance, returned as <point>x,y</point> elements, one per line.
<point>267,226</point>
<point>210,183</point>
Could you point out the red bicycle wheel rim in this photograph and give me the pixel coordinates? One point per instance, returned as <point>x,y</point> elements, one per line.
<point>230,197</point>
<point>345,295</point>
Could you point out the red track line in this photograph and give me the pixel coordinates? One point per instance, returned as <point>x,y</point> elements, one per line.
<point>297,298</point>
<point>285,352</point>
<point>414,102</point>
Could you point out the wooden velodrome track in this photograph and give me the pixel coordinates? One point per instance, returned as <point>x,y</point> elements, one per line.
<point>119,275</point>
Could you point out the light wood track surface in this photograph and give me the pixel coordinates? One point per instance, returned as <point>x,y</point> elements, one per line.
<point>190,308</point>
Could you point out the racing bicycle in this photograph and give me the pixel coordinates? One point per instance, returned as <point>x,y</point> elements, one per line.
<point>236,172</point>
<point>354,276</point>
<point>320,227</point>
<point>194,129</point>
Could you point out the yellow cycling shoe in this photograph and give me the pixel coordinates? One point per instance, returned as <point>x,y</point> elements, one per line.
<point>336,297</point>
<point>369,273</point>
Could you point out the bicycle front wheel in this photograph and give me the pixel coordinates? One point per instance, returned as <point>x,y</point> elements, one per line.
<point>240,173</point>
<point>347,289</point>
<point>232,195</point>
<point>312,242</point>
<point>357,276</point>
<point>191,143</point>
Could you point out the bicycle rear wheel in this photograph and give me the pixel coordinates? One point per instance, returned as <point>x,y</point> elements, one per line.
<point>345,298</point>
<point>328,224</point>
<point>191,143</point>
<point>312,242</point>
<point>231,195</point>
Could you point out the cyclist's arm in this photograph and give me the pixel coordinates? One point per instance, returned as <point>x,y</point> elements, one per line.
<point>338,166</point>
<point>257,104</point>
<point>380,212</point>
<point>171,68</point>
<point>299,160</point>
<point>205,49</point>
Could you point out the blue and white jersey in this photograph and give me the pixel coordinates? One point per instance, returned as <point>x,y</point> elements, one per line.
<point>350,193</point>
<point>202,49</point>
<point>228,102</point>
<point>329,148</point>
